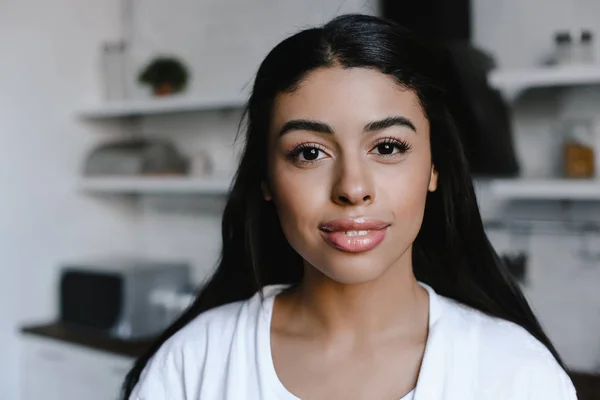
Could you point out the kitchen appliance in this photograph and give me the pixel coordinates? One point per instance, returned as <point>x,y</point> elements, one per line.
<point>136,157</point>
<point>114,297</point>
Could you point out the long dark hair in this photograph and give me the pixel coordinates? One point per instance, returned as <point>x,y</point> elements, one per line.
<point>451,252</point>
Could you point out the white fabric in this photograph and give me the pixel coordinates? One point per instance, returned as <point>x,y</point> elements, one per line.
<point>225,353</point>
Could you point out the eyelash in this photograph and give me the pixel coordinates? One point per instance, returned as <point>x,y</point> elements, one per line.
<point>402,146</point>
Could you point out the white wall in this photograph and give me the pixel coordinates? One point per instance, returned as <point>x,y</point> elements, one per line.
<point>47,51</point>
<point>225,41</point>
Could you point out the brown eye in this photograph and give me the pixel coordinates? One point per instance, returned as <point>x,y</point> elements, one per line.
<point>306,153</point>
<point>391,146</point>
<point>385,148</point>
<point>310,154</point>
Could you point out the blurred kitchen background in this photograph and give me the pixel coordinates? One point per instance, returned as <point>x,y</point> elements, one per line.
<point>118,120</point>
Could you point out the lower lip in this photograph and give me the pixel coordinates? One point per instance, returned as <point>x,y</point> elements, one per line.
<point>355,244</point>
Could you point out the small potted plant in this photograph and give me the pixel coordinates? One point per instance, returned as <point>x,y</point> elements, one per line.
<point>165,75</point>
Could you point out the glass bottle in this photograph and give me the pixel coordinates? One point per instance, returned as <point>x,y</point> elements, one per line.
<point>114,70</point>
<point>564,47</point>
<point>586,47</point>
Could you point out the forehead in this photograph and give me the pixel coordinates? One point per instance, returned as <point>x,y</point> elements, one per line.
<point>343,96</point>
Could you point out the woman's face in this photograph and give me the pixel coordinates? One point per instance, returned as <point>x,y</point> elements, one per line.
<point>349,170</point>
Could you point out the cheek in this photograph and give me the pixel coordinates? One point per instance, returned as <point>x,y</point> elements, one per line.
<point>298,195</point>
<point>404,191</point>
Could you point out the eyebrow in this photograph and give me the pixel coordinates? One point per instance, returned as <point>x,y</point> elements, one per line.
<point>388,123</point>
<point>321,127</point>
<point>305,125</point>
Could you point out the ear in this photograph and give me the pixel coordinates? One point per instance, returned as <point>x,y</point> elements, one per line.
<point>433,180</point>
<point>266,192</point>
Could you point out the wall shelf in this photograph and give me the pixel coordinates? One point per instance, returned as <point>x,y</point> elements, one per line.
<point>159,185</point>
<point>546,189</point>
<point>166,105</point>
<point>512,82</point>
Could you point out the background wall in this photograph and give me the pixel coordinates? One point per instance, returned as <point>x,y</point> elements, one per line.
<point>49,68</point>
<point>562,286</point>
<point>47,50</point>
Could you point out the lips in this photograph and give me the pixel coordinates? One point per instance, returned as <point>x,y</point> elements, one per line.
<point>354,235</point>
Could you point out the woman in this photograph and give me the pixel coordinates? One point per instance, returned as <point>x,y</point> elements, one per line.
<point>355,264</point>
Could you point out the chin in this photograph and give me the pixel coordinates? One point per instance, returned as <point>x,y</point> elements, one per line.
<point>352,270</point>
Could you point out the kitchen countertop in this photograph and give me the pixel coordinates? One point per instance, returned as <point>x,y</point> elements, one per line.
<point>587,384</point>
<point>96,341</point>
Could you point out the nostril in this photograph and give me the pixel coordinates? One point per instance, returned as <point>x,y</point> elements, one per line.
<point>344,200</point>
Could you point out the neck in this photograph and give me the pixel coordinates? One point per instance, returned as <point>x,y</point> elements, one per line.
<point>394,303</point>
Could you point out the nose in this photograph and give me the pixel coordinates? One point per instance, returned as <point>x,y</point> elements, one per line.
<point>353,185</point>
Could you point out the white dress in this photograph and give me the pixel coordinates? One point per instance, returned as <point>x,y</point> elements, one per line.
<point>225,353</point>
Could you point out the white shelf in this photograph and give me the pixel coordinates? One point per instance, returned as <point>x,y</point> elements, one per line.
<point>159,105</point>
<point>160,185</point>
<point>542,189</point>
<point>513,82</point>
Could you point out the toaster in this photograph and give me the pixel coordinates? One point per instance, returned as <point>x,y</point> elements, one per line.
<point>115,296</point>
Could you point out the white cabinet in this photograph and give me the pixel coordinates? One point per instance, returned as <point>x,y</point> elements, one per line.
<point>54,370</point>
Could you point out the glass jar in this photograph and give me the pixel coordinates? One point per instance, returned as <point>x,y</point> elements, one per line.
<point>578,149</point>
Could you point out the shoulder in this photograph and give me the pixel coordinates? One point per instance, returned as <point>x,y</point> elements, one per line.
<point>509,359</point>
<point>182,363</point>
<point>214,324</point>
<point>494,334</point>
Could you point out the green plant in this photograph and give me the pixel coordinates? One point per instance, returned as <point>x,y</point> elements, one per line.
<point>165,71</point>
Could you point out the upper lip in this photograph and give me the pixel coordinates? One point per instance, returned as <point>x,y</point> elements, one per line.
<point>353,224</point>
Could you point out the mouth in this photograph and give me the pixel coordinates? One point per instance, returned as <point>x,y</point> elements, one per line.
<point>354,235</point>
